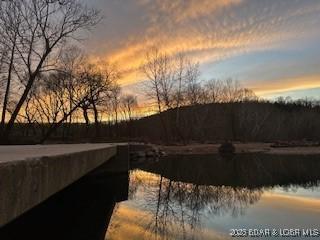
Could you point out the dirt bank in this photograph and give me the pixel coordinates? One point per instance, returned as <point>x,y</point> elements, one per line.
<point>240,148</point>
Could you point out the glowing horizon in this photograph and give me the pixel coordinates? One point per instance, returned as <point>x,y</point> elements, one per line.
<point>269,46</point>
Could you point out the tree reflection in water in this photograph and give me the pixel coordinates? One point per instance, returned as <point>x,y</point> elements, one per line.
<point>179,193</point>
<point>184,204</point>
<point>177,207</point>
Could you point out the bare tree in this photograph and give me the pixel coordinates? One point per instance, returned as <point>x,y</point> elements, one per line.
<point>128,104</point>
<point>231,91</point>
<point>114,104</point>
<point>71,62</point>
<point>43,27</point>
<point>100,84</point>
<point>61,93</point>
<point>10,21</point>
<point>213,90</point>
<point>247,95</point>
<point>180,75</point>
<point>193,92</point>
<point>160,78</point>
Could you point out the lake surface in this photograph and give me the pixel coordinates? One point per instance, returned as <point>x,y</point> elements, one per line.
<point>210,197</point>
<point>183,197</point>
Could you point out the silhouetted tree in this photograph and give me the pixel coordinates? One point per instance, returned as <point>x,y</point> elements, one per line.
<point>128,104</point>
<point>193,91</point>
<point>40,29</point>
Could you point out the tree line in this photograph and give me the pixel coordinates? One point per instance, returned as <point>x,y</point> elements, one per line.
<point>50,87</point>
<point>45,79</point>
<point>173,82</point>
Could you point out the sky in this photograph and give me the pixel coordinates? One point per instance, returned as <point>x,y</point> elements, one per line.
<point>270,46</point>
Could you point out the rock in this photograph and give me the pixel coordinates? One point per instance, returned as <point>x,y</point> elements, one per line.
<point>227,148</point>
<point>162,154</point>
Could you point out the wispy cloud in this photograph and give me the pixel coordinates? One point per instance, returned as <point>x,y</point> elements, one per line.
<point>181,11</point>
<point>209,31</point>
<point>287,84</point>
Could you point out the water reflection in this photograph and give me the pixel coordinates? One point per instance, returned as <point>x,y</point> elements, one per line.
<point>244,170</point>
<point>178,207</point>
<point>177,196</point>
<point>82,211</point>
<point>181,197</point>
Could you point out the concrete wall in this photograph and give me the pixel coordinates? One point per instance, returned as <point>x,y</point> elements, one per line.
<point>31,174</point>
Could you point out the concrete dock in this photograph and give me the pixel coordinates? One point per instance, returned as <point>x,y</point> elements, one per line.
<point>31,174</point>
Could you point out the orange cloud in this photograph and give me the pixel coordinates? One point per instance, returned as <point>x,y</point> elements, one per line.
<point>201,47</point>
<point>206,30</point>
<point>287,84</point>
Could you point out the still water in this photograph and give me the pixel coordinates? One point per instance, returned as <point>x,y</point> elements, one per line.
<point>209,197</point>
<point>182,197</point>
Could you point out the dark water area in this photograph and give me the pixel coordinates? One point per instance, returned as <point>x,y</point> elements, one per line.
<point>182,197</point>
<point>206,197</point>
<point>82,211</point>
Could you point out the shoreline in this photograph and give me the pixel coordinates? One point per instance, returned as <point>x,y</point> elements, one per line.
<point>266,148</point>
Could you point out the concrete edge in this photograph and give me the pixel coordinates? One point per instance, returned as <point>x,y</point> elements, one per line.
<point>26,183</point>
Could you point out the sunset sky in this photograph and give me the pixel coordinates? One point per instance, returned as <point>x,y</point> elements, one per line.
<point>270,46</point>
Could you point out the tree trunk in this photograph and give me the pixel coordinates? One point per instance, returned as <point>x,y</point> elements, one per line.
<point>55,125</point>
<point>86,119</point>
<point>7,92</point>
<point>96,120</point>
<point>32,78</point>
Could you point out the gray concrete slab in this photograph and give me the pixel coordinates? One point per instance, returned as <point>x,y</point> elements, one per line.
<point>27,152</point>
<point>31,174</point>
